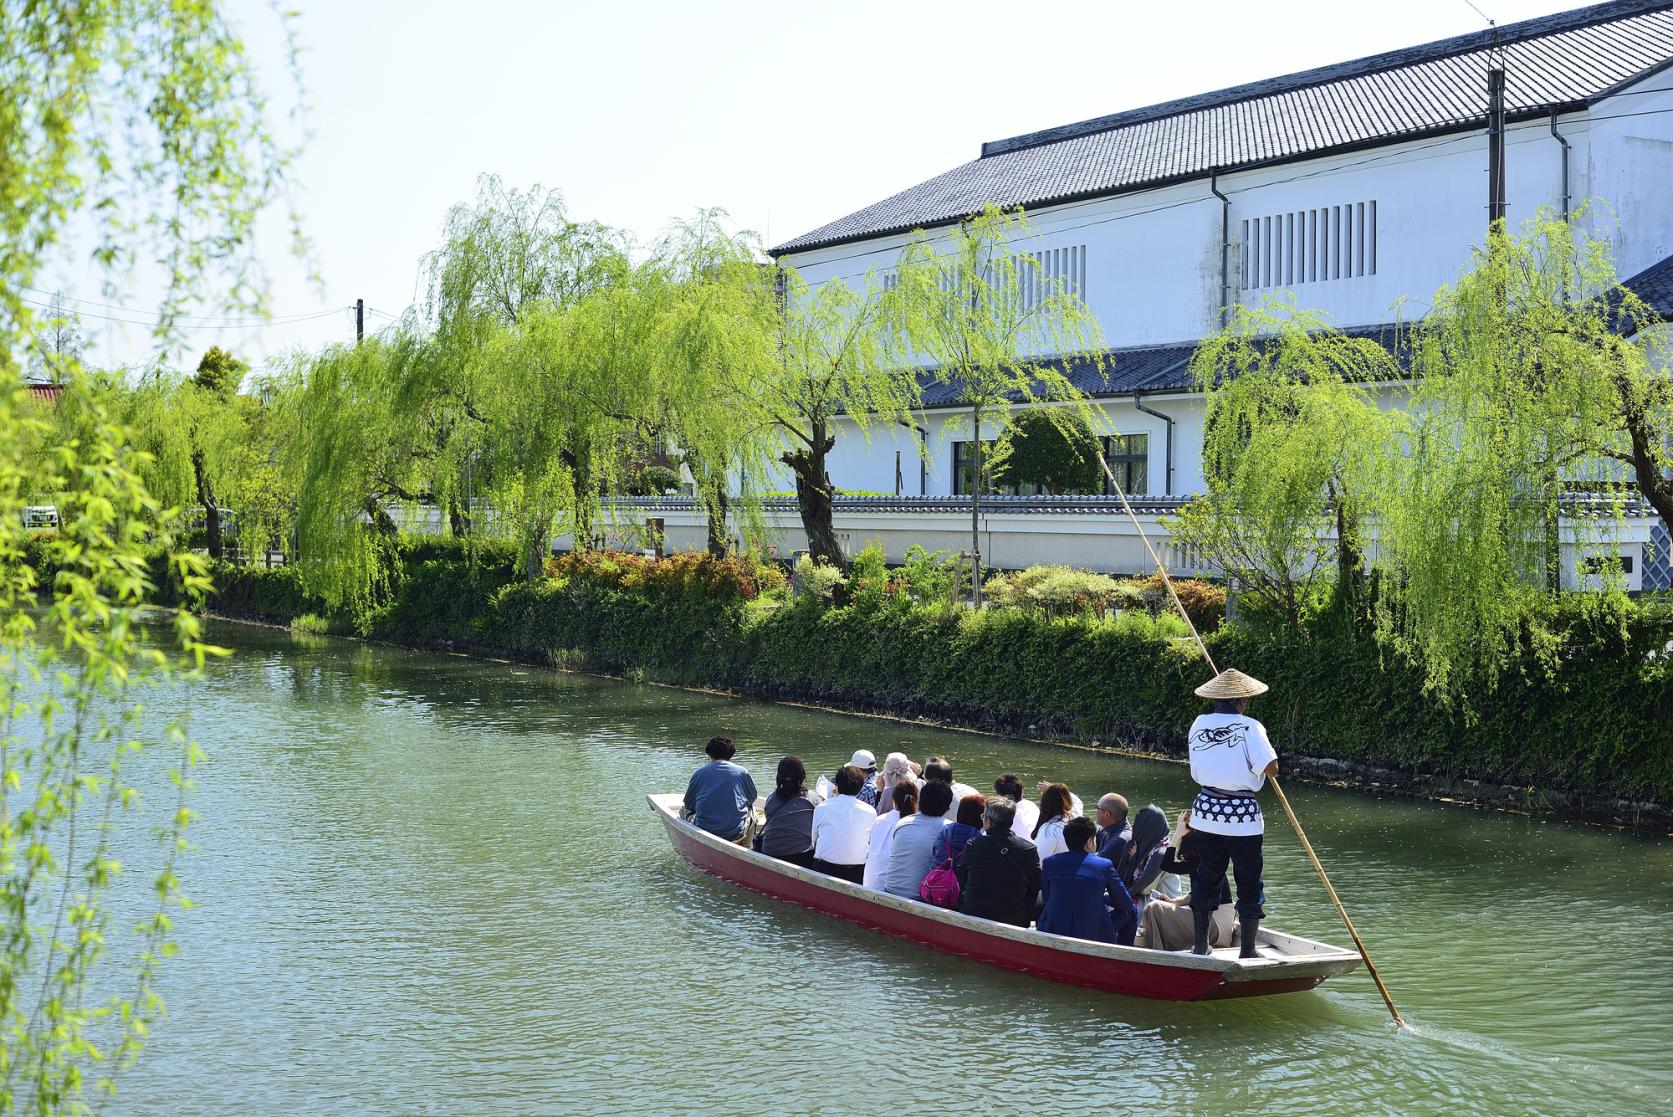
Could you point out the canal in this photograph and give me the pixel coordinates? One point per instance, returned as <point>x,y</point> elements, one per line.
<point>429,884</point>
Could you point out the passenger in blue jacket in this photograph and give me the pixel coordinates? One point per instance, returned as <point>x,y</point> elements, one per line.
<point>1080,888</point>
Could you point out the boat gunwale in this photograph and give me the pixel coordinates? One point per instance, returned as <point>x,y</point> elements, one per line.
<point>1320,959</point>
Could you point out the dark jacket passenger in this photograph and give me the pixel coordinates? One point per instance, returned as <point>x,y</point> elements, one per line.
<point>1076,885</point>
<point>952,840</point>
<point>789,829</point>
<point>999,878</point>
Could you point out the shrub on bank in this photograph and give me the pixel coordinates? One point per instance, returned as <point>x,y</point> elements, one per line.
<point>734,578</point>
<point>1599,726</point>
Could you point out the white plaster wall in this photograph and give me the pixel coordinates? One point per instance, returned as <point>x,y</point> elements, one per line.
<point>1153,261</point>
<point>1629,167</point>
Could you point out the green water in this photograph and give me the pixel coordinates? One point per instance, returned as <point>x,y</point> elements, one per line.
<point>428,884</point>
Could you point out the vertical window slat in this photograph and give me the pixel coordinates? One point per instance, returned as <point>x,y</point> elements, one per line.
<point>1371,238</point>
<point>1266,252</point>
<point>1243,275</point>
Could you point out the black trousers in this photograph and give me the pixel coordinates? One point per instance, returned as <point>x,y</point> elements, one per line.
<point>853,874</point>
<point>1208,872</point>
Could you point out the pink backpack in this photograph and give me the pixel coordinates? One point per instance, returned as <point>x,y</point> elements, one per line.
<point>940,886</point>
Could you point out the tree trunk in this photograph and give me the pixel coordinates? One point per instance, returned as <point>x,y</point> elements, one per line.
<point>382,522</point>
<point>720,543</point>
<point>211,507</point>
<point>1350,552</point>
<point>584,492</point>
<point>976,509</point>
<point>1656,486</point>
<point>458,521</point>
<point>813,497</point>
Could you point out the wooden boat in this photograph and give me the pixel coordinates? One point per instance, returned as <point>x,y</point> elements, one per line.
<point>1287,963</point>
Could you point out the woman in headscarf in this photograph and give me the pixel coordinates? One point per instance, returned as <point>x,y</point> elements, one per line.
<point>1141,865</point>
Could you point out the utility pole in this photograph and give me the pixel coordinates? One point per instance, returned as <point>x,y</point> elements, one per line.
<point>360,320</point>
<point>1495,145</point>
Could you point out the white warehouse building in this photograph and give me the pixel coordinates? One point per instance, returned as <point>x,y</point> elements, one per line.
<point>1358,188</point>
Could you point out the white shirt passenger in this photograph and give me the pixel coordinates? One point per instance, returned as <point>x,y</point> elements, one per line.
<point>882,841</point>
<point>1028,816</point>
<point>842,830</point>
<point>960,790</point>
<point>1050,839</point>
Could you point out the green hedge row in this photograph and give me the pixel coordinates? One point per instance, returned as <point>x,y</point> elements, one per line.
<point>1599,727</point>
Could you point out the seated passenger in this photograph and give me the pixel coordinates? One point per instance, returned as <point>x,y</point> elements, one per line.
<point>1056,808</point>
<point>999,878</point>
<point>788,834</point>
<point>1074,800</point>
<point>913,854</point>
<point>1084,898</point>
<point>896,768</point>
<point>1114,831</point>
<point>938,769</point>
<point>1167,922</point>
<point>842,829</point>
<point>883,834</point>
<point>950,842</point>
<point>867,764</point>
<point>1143,863</point>
<point>721,795</point>
<point>1028,814</point>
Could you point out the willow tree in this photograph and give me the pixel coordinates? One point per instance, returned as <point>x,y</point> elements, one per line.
<point>717,363</point>
<point>355,453</point>
<point>1527,393</point>
<point>138,124</point>
<point>505,253</point>
<point>838,357</point>
<point>1295,449</point>
<point>996,325</point>
<point>610,391</point>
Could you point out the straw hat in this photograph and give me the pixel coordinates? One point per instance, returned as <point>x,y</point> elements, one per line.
<point>1231,683</point>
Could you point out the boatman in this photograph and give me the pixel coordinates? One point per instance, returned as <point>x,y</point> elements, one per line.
<point>1231,759</point>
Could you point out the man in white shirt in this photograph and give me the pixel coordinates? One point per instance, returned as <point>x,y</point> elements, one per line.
<point>1231,759</point>
<point>1028,813</point>
<point>842,829</point>
<point>938,769</point>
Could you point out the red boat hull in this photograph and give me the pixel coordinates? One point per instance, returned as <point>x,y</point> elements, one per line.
<point>1171,977</point>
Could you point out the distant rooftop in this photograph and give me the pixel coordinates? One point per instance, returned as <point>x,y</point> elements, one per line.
<point>1565,62</point>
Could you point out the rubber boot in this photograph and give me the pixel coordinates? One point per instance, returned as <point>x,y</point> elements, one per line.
<point>1249,936</point>
<point>1201,919</point>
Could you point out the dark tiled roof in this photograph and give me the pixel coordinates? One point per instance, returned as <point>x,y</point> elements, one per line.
<point>1139,370</point>
<point>1564,60</point>
<point>1655,286</point>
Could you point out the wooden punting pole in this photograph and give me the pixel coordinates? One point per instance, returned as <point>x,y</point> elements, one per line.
<point>1318,866</point>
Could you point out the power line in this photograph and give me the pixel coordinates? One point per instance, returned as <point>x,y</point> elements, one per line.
<point>155,322</point>
<point>229,319</point>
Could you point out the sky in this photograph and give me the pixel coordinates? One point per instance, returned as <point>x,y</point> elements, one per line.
<point>787,115</point>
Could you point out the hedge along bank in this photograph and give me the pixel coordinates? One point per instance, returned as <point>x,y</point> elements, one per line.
<point>1588,740</point>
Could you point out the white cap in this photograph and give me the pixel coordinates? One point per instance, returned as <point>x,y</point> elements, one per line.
<point>864,761</point>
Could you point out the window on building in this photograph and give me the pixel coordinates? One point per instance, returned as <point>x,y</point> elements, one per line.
<point>1129,459</point>
<point>1310,246</point>
<point>1053,268</point>
<point>964,466</point>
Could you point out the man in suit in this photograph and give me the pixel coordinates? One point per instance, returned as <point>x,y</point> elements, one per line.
<point>999,877</point>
